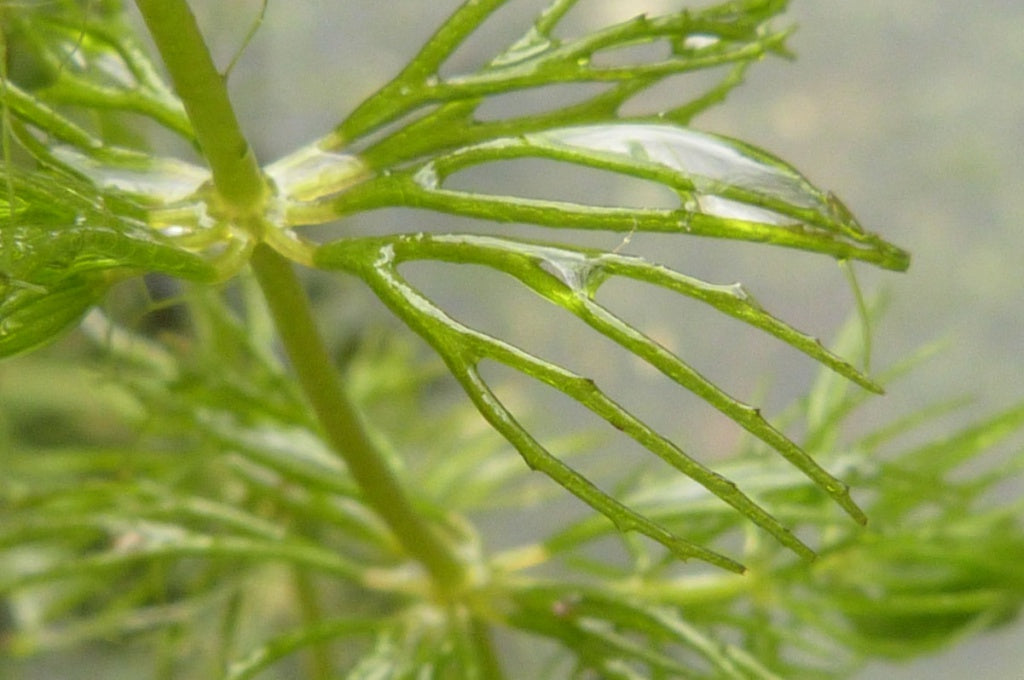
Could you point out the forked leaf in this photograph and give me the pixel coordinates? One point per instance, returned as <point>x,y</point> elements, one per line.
<point>727,189</point>
<point>91,60</point>
<point>570,278</point>
<point>728,33</point>
<point>64,248</point>
<point>31,316</point>
<point>136,541</point>
<point>31,110</point>
<point>272,651</point>
<point>625,637</point>
<point>463,348</point>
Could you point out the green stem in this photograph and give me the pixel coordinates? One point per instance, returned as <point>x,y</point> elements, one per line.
<point>483,647</point>
<point>319,665</point>
<point>6,246</point>
<point>289,307</point>
<point>236,174</point>
<point>242,190</point>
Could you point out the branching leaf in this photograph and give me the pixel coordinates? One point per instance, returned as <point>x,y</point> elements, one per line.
<point>67,245</point>
<point>89,59</point>
<point>138,541</point>
<point>264,656</point>
<point>241,476</point>
<point>570,278</point>
<point>699,39</point>
<point>726,189</point>
<point>623,639</point>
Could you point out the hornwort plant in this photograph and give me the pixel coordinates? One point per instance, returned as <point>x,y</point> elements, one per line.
<point>207,480</point>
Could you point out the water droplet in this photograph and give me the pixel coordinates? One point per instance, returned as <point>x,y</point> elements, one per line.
<point>700,41</point>
<point>174,231</point>
<point>427,177</point>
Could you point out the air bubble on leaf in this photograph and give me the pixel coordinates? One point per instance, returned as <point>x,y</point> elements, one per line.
<point>638,151</point>
<point>531,44</point>
<point>162,179</point>
<point>427,177</point>
<point>738,291</point>
<point>839,212</point>
<point>311,172</point>
<point>73,56</point>
<point>729,209</point>
<point>174,231</point>
<point>702,159</point>
<point>700,41</point>
<point>204,219</point>
<point>572,272</point>
<point>116,70</point>
<point>432,81</point>
<point>136,536</point>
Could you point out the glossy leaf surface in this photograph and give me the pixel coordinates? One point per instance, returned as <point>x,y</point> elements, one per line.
<point>62,250</point>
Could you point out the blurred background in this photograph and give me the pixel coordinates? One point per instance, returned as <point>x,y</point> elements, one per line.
<point>911,112</point>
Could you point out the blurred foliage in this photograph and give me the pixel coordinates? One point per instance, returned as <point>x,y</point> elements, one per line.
<point>224,520</point>
<point>167,489</point>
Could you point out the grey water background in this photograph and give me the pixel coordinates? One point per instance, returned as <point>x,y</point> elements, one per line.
<point>912,112</point>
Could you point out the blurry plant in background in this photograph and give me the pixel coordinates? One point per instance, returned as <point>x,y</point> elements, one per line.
<point>173,483</point>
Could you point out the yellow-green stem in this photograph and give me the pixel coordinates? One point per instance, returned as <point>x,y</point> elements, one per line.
<point>236,174</point>
<point>242,190</point>
<point>289,307</point>
<point>319,664</point>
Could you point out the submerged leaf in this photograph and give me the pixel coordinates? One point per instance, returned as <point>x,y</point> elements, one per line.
<point>696,38</point>
<point>31,317</point>
<point>605,630</point>
<point>89,59</point>
<point>570,279</point>
<point>726,189</point>
<point>720,176</point>
<point>65,248</point>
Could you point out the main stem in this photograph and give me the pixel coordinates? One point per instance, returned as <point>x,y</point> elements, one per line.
<point>290,309</point>
<point>242,190</point>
